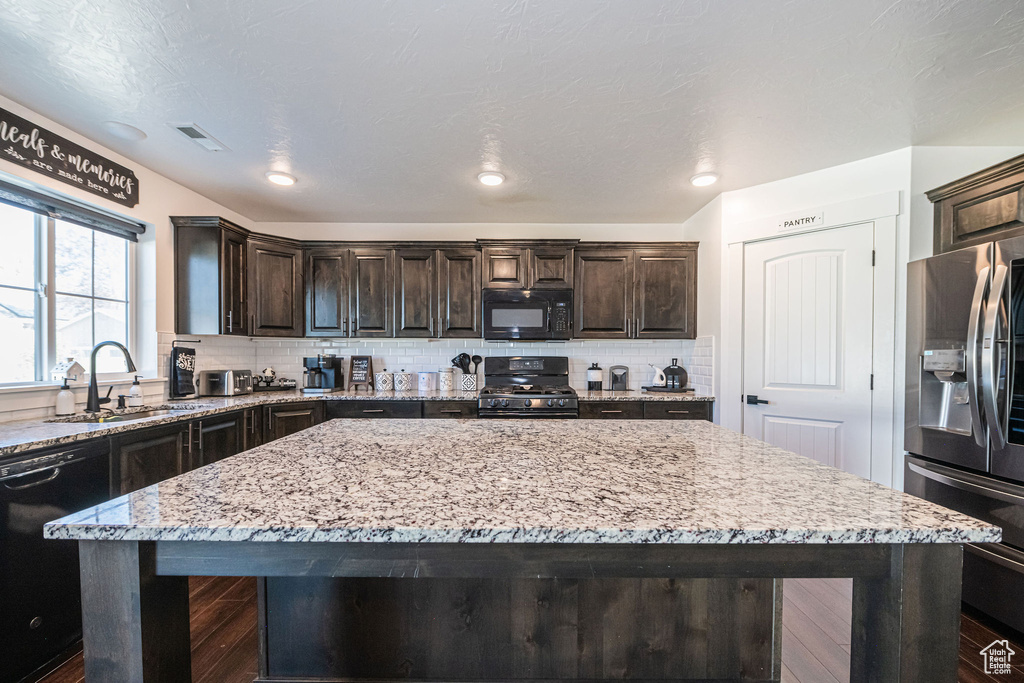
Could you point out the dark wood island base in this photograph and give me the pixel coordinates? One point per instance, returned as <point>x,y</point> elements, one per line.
<point>519,612</point>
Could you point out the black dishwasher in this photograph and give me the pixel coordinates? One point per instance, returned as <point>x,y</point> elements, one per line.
<point>40,604</point>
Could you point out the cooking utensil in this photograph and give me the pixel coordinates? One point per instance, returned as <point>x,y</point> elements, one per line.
<point>477,360</point>
<point>461,361</point>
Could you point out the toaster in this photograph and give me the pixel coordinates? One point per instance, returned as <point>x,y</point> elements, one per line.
<point>225,382</point>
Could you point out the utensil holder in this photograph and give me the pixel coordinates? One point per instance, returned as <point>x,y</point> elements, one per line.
<point>468,382</point>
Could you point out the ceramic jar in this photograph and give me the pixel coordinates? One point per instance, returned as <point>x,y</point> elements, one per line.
<point>384,381</point>
<point>446,379</point>
<point>403,381</point>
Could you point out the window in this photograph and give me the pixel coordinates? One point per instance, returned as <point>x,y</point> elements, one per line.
<point>63,288</point>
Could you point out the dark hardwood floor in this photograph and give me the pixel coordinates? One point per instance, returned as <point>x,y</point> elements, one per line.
<point>815,641</point>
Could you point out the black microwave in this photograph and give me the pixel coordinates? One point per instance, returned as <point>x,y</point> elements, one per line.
<point>527,314</point>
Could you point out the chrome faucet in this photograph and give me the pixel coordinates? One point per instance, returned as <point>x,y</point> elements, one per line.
<point>93,403</point>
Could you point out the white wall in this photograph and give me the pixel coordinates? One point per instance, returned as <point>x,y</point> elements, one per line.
<point>645,232</point>
<point>705,227</point>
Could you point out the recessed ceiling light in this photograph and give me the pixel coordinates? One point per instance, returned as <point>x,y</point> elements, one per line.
<point>279,178</point>
<point>491,178</point>
<point>704,179</point>
<point>124,131</point>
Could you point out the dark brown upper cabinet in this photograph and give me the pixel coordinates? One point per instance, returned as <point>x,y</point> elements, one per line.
<point>545,264</point>
<point>639,293</point>
<point>416,301</point>
<point>504,267</point>
<point>665,294</point>
<point>458,289</point>
<point>275,288</point>
<point>981,207</point>
<point>372,292</point>
<point>209,276</point>
<point>327,299</point>
<point>603,294</point>
<point>550,268</point>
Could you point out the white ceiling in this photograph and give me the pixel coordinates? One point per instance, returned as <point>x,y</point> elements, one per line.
<point>596,110</point>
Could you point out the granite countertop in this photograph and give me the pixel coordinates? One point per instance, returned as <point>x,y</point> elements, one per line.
<point>517,481</point>
<point>641,396</point>
<point>25,435</point>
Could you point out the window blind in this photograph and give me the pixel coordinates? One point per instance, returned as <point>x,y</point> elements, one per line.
<point>70,211</point>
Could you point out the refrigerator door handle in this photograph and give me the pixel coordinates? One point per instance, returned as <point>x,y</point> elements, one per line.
<point>977,309</point>
<point>997,422</point>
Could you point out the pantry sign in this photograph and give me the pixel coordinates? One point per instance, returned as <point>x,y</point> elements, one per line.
<point>31,146</point>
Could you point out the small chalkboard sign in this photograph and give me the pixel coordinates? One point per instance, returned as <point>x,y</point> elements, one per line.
<point>360,371</point>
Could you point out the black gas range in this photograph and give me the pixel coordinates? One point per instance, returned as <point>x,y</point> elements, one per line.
<point>527,386</point>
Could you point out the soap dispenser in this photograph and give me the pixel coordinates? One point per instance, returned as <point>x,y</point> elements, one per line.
<point>65,400</point>
<point>135,394</point>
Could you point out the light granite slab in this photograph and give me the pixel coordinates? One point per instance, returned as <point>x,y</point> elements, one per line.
<point>516,481</point>
<point>26,435</point>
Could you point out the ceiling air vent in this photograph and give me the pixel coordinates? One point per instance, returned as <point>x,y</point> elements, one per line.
<point>199,136</point>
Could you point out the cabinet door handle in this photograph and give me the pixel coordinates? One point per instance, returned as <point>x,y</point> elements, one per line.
<point>252,421</point>
<point>379,410</point>
<point>629,325</point>
<point>200,437</point>
<point>636,328</point>
<point>611,411</point>
<point>231,321</point>
<point>190,438</point>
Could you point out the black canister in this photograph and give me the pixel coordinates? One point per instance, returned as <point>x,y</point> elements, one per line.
<point>675,376</point>
<point>595,378</point>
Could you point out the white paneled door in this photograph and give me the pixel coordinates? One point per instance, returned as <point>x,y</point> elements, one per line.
<point>807,330</point>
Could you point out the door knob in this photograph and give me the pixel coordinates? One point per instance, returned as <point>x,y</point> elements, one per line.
<point>753,400</point>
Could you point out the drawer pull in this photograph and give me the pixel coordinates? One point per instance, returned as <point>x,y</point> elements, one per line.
<point>453,412</point>
<point>378,410</point>
<point>678,412</point>
<point>611,411</point>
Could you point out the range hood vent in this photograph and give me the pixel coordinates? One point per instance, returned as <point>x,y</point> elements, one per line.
<point>199,136</point>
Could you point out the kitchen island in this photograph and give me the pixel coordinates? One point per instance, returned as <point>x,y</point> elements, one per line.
<point>520,550</point>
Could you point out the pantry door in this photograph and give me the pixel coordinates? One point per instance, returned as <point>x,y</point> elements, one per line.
<point>807,332</point>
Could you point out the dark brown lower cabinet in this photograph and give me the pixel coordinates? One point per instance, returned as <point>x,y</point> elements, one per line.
<point>149,456</point>
<point>449,409</point>
<point>252,428</point>
<point>677,410</point>
<point>371,408</point>
<point>281,420</point>
<point>218,437</point>
<point>612,410</point>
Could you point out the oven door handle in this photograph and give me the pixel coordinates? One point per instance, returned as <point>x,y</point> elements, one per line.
<point>974,396</point>
<point>999,554</point>
<point>945,475</point>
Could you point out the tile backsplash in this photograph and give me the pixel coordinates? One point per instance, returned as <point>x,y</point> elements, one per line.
<point>413,355</point>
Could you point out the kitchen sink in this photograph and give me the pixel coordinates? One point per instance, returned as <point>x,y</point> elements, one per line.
<point>129,416</point>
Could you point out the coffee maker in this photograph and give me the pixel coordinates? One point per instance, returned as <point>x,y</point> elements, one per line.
<point>322,374</point>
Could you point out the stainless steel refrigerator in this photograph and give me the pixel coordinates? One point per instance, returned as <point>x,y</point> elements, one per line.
<point>965,407</point>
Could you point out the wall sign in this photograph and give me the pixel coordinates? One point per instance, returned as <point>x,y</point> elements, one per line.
<point>801,221</point>
<point>28,145</point>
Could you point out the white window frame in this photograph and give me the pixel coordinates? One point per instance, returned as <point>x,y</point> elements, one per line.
<point>45,321</point>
